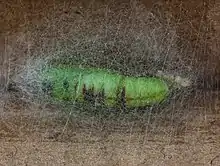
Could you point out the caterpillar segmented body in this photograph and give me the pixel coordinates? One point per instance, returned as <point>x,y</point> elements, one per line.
<point>100,85</point>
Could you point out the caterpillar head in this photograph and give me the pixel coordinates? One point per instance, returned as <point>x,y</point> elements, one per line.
<point>176,79</point>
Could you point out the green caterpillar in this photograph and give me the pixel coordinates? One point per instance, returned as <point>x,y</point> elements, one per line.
<point>100,85</point>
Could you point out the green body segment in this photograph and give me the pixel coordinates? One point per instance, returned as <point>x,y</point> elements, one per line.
<point>144,91</point>
<point>71,84</point>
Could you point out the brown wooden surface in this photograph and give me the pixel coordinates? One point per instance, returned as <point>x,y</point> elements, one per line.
<point>4,65</point>
<point>37,135</point>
